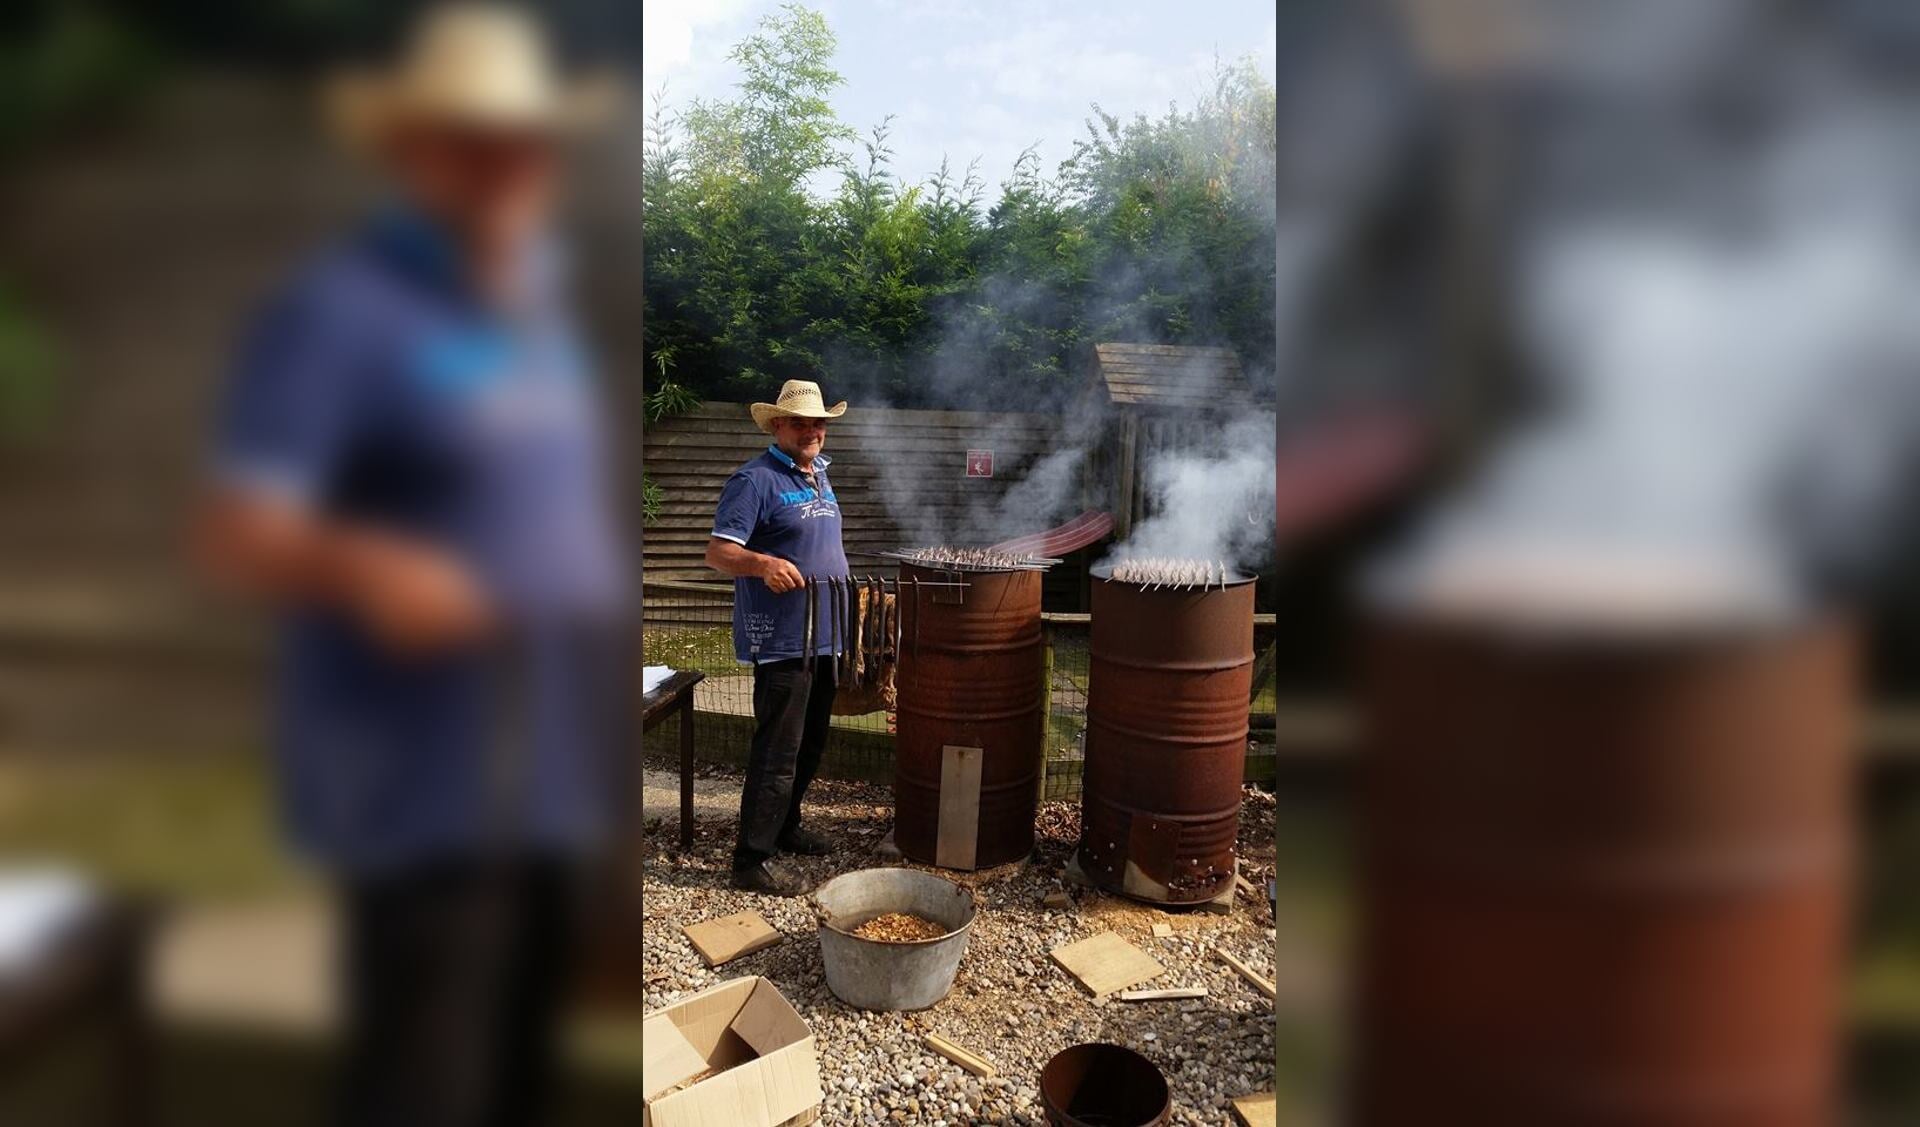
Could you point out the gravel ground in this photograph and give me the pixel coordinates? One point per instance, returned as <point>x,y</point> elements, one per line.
<point>1011,1003</point>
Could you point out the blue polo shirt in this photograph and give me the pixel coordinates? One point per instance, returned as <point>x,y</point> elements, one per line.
<point>768,507</point>
<point>377,388</point>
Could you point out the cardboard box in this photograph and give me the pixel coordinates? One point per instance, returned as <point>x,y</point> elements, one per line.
<point>755,1048</point>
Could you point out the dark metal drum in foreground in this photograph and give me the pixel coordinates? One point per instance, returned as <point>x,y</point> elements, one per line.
<point>971,721</point>
<point>1099,1085</point>
<point>1603,882</point>
<point>1167,698</point>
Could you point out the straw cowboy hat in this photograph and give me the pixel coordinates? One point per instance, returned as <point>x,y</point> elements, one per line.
<point>799,399</point>
<point>481,65</point>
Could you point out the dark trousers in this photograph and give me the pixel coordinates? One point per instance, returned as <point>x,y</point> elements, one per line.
<point>455,977</point>
<point>792,708</point>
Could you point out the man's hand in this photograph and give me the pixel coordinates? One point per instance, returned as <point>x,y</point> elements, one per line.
<point>729,558</point>
<point>412,596</point>
<point>416,599</point>
<point>780,575</point>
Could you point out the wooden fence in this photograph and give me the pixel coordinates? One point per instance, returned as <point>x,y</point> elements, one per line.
<point>890,467</point>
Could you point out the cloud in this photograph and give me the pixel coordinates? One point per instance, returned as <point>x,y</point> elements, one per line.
<point>686,41</point>
<point>1036,60</point>
<point>977,78</point>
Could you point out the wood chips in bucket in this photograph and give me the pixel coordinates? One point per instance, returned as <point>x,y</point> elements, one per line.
<point>899,927</point>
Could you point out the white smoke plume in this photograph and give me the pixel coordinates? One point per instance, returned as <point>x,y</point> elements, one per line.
<point>1728,387</point>
<point>1216,504</point>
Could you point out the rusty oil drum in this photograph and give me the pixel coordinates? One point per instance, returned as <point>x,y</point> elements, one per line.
<point>971,679</point>
<point>1170,669</point>
<point>1604,883</point>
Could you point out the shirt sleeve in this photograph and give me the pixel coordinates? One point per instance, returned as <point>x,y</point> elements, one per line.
<point>287,409</point>
<point>739,510</point>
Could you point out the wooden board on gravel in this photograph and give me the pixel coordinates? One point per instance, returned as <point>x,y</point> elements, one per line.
<point>1257,1111</point>
<point>723,940</point>
<point>1105,962</point>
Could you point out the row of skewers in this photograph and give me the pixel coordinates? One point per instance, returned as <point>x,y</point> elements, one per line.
<point>970,559</point>
<point>1160,571</point>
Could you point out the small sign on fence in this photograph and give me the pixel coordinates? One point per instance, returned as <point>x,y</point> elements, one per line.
<point>979,463</point>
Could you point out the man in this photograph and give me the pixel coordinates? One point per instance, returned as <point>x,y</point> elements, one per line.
<point>408,465</point>
<point>778,525</point>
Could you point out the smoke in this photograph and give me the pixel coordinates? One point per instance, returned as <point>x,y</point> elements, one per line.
<point>1164,291</point>
<point>1728,361</point>
<point>1216,504</point>
<point>1031,494</point>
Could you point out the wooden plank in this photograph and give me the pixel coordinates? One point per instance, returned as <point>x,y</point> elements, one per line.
<point>977,1065</point>
<point>722,591</point>
<point>959,829</point>
<point>1260,982</point>
<point>1105,963</point>
<point>845,437</point>
<point>1162,931</point>
<point>1263,670</point>
<point>1173,375</point>
<point>845,427</point>
<point>728,938</point>
<point>869,421</point>
<point>1260,1110</point>
<point>1168,995</point>
<point>1129,348</point>
<point>1189,382</point>
<point>1224,366</point>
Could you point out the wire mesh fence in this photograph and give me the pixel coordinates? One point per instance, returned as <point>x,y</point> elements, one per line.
<point>690,626</point>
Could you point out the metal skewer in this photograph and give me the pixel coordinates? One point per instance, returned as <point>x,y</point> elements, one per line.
<point>833,626</point>
<point>806,629</point>
<point>839,627</point>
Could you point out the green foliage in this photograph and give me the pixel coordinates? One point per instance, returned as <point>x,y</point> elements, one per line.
<point>69,61</point>
<point>651,498</point>
<point>669,399</point>
<point>61,62</point>
<point>27,366</point>
<point>1157,230</point>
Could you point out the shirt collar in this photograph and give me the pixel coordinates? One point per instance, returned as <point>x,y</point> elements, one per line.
<point>819,460</point>
<point>422,246</point>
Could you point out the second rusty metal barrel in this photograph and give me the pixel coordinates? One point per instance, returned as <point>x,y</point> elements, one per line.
<point>1604,880</point>
<point>1170,670</point>
<point>971,691</point>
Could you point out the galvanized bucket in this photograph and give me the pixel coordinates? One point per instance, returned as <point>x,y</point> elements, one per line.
<point>872,975</point>
<point>1101,1085</point>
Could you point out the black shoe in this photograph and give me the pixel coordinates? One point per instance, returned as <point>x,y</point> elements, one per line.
<point>801,843</point>
<point>765,878</point>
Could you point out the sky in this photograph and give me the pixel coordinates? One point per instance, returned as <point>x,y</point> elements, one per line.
<point>976,78</point>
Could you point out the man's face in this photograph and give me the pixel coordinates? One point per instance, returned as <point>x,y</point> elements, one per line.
<point>800,438</point>
<point>495,185</point>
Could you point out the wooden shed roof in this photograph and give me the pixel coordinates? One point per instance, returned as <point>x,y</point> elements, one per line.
<point>1179,376</point>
